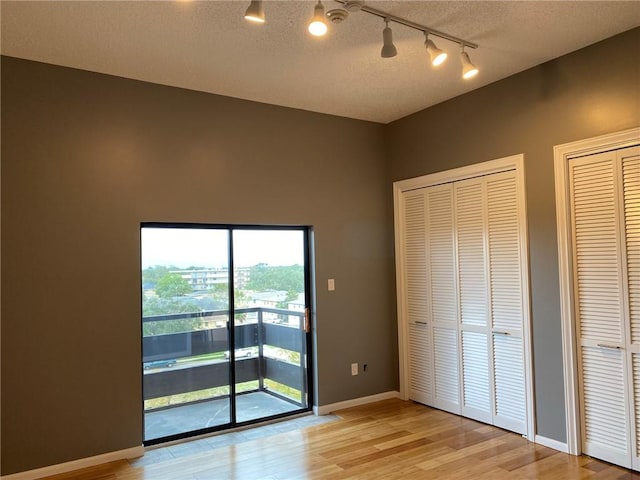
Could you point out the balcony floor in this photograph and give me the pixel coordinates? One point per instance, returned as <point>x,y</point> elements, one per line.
<point>186,418</point>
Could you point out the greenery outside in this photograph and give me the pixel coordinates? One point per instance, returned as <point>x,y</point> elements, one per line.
<point>212,393</point>
<point>166,292</point>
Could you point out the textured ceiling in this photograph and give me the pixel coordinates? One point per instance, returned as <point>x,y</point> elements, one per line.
<point>208,46</point>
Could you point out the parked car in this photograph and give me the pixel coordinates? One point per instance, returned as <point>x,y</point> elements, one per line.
<point>159,364</point>
<point>241,353</point>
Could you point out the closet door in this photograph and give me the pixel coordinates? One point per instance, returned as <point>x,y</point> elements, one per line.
<point>477,375</point>
<point>599,293</point>
<point>462,266</point>
<point>505,254</point>
<point>416,306</point>
<point>442,297</point>
<point>491,301</point>
<point>630,158</point>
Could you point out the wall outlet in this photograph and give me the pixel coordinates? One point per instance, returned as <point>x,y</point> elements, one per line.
<point>354,369</point>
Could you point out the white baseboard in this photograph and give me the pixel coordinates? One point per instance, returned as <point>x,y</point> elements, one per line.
<point>59,468</point>
<point>136,452</point>
<point>327,409</point>
<point>549,442</point>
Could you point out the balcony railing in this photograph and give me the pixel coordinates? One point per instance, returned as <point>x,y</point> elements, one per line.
<point>280,331</point>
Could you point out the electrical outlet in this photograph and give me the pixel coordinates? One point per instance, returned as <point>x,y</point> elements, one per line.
<point>354,369</point>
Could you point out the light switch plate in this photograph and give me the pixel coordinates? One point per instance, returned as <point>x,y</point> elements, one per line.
<point>331,284</point>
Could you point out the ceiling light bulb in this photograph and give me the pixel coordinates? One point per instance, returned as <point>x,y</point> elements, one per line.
<point>469,70</point>
<point>318,24</point>
<point>255,12</point>
<point>388,48</point>
<point>437,56</point>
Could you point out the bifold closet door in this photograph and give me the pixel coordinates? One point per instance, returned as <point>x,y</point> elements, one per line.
<point>506,251</point>
<point>475,334</point>
<point>430,297</point>
<point>463,298</point>
<point>491,302</point>
<point>442,297</point>
<point>420,351</point>
<point>630,160</point>
<point>631,188</point>
<point>605,208</point>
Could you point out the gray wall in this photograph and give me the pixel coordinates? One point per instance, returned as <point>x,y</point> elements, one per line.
<point>85,159</point>
<point>590,92</point>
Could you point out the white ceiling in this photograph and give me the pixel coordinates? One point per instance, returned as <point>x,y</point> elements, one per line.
<point>208,46</point>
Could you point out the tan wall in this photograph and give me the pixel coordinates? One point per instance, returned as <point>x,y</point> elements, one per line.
<point>85,159</point>
<point>590,92</point>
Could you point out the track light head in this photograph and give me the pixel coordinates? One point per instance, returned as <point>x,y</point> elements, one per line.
<point>437,56</point>
<point>388,48</point>
<point>255,12</point>
<point>318,24</point>
<point>469,70</point>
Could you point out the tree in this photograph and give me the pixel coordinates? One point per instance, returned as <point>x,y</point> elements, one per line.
<point>240,298</point>
<point>162,306</point>
<point>151,275</point>
<point>172,285</point>
<point>263,277</point>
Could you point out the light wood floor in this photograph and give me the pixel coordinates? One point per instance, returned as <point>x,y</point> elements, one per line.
<point>392,439</point>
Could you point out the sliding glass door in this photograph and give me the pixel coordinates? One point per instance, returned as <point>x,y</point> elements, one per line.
<point>224,326</point>
<point>270,321</point>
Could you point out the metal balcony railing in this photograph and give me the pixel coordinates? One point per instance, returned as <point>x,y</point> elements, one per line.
<point>255,329</point>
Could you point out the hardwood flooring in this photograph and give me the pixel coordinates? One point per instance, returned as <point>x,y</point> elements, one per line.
<point>392,439</point>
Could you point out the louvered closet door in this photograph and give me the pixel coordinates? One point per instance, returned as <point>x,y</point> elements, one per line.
<point>463,298</point>
<point>442,297</point>
<point>599,293</point>
<point>420,359</point>
<point>470,221</point>
<point>630,158</point>
<point>506,301</point>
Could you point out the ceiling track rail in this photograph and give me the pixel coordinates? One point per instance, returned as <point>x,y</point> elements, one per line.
<point>416,26</point>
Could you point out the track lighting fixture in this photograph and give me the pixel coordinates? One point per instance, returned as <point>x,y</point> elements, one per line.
<point>318,24</point>
<point>353,5</point>
<point>388,48</point>
<point>255,12</point>
<point>469,70</point>
<point>437,56</point>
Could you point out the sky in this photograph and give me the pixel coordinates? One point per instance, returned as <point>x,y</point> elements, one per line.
<point>186,247</point>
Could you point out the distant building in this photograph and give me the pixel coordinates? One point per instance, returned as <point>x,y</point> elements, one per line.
<point>269,299</point>
<point>297,305</point>
<point>201,280</point>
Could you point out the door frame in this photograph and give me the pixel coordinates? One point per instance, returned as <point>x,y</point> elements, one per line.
<point>512,163</point>
<point>562,154</point>
<point>309,326</point>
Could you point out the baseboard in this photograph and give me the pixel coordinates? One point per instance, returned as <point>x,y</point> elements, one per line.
<point>59,468</point>
<point>549,442</point>
<point>327,409</point>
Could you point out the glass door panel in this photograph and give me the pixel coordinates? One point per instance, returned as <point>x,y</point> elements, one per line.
<point>224,330</point>
<point>185,335</point>
<point>269,330</point>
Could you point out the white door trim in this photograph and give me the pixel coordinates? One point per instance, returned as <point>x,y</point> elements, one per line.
<point>512,163</point>
<point>562,154</point>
